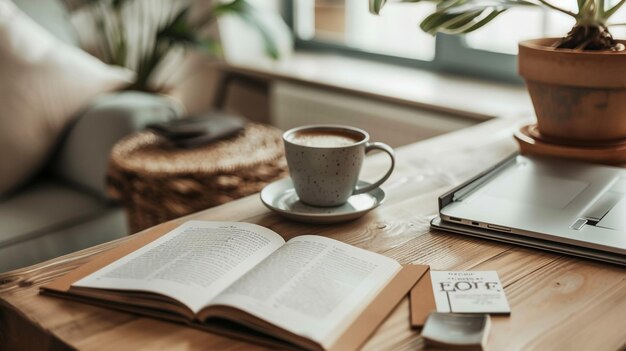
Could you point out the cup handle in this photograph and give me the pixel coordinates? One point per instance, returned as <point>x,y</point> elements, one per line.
<point>383,147</point>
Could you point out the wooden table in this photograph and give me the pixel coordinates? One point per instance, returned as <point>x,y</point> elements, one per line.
<point>558,302</point>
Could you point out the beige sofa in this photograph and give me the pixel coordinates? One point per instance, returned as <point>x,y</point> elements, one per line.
<point>65,208</point>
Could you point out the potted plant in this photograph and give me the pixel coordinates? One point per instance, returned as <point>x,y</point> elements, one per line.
<point>187,25</point>
<point>577,83</point>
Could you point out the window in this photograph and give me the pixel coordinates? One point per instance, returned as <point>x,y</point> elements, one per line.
<point>347,26</point>
<point>349,23</point>
<point>502,34</point>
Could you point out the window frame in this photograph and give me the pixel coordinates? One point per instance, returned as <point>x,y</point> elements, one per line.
<point>452,54</point>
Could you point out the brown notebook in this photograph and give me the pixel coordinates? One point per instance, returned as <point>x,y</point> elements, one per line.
<point>422,300</point>
<point>244,280</point>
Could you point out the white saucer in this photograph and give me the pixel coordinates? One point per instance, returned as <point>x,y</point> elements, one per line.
<point>281,197</point>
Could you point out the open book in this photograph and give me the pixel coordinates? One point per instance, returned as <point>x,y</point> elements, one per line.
<point>310,292</point>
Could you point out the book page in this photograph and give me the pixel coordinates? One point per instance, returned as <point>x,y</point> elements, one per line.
<point>192,264</point>
<point>312,286</point>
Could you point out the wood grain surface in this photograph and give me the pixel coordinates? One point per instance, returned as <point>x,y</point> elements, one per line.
<point>558,302</point>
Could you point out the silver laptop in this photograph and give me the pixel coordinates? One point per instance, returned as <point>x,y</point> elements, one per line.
<point>565,206</point>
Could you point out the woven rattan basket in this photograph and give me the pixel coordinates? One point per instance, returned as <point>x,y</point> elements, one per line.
<point>155,181</point>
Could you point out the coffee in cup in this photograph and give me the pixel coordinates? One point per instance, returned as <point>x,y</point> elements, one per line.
<point>325,162</point>
<point>320,138</point>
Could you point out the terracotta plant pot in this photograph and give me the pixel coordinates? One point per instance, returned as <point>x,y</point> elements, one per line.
<point>579,96</point>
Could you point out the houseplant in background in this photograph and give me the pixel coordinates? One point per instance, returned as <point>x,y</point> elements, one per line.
<point>142,34</point>
<point>577,83</point>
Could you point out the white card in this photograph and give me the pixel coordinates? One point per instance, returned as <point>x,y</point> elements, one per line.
<point>469,292</point>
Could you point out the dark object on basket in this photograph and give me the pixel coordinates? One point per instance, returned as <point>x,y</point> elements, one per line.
<point>201,130</point>
<point>156,181</point>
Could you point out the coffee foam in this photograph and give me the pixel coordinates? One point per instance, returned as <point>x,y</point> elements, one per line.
<point>325,138</point>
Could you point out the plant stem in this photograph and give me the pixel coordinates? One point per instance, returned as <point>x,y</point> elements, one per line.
<point>569,13</point>
<point>588,14</point>
<point>613,9</point>
<point>600,10</point>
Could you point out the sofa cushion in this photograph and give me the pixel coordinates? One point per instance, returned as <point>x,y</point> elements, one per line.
<point>84,153</point>
<point>43,207</point>
<point>109,225</point>
<point>44,83</point>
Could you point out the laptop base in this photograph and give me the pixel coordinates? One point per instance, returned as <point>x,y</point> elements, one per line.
<point>517,239</point>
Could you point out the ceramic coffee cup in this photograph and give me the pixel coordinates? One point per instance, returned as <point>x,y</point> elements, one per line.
<point>325,162</point>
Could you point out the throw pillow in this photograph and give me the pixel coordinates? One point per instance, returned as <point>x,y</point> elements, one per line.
<point>44,83</point>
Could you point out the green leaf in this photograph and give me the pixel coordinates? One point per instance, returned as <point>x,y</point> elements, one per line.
<point>268,42</point>
<point>461,21</point>
<point>482,22</point>
<point>117,4</point>
<point>178,30</point>
<point>247,13</point>
<point>434,22</point>
<point>233,7</point>
<point>376,6</point>
<point>464,16</point>
<point>210,46</point>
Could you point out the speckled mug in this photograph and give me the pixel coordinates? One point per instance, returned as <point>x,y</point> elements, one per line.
<point>327,176</point>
